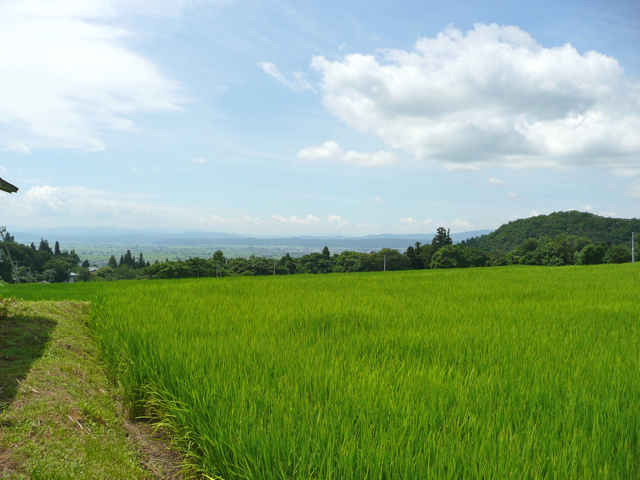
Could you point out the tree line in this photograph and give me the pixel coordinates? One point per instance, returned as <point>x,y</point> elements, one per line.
<point>41,263</point>
<point>441,253</point>
<point>55,265</point>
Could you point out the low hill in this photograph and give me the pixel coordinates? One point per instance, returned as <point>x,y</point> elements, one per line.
<point>612,231</point>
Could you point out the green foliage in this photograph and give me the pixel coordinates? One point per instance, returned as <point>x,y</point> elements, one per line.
<point>442,238</point>
<point>450,256</point>
<point>596,229</point>
<point>314,263</point>
<point>592,254</point>
<point>44,246</point>
<point>471,373</point>
<point>61,266</point>
<point>112,263</point>
<point>457,256</point>
<point>348,262</point>
<point>618,254</point>
<point>84,274</point>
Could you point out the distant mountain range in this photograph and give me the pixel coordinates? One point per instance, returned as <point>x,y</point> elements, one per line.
<point>70,236</point>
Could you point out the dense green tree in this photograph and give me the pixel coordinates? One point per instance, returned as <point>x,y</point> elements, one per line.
<point>450,256</point>
<point>442,238</point>
<point>219,258</point>
<point>113,263</point>
<point>40,258</point>
<point>287,265</point>
<point>84,275</point>
<point>56,249</point>
<point>86,264</point>
<point>348,262</point>
<point>476,257</point>
<point>374,261</point>
<point>546,253</point>
<point>325,252</point>
<point>314,263</point>
<point>617,254</point>
<point>415,258</point>
<point>108,273</point>
<point>127,260</point>
<point>44,246</point>
<point>497,259</point>
<point>592,254</point>
<point>61,267</point>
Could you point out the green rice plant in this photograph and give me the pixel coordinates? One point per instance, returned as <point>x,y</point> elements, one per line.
<point>515,372</point>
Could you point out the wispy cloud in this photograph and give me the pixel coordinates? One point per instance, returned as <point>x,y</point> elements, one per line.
<point>308,220</point>
<point>17,147</point>
<point>297,82</point>
<point>197,160</point>
<point>71,74</point>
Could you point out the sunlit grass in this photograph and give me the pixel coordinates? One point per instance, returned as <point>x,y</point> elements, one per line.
<point>476,373</point>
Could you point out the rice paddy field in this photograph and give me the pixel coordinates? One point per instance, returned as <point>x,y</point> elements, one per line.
<point>511,372</point>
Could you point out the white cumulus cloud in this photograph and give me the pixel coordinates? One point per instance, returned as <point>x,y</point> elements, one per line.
<point>197,160</point>
<point>332,151</point>
<point>459,224</point>
<point>494,182</point>
<point>490,95</point>
<point>512,195</point>
<point>377,199</point>
<point>45,197</point>
<point>67,72</point>
<point>337,220</point>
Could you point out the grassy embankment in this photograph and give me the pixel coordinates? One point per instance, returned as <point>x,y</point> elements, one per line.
<point>514,372</point>
<point>59,415</point>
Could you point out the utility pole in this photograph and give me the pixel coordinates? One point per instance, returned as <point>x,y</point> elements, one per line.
<point>15,270</point>
<point>384,259</point>
<point>274,268</point>
<point>633,247</point>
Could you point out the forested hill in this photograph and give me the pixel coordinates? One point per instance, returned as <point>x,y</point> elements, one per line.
<point>612,231</point>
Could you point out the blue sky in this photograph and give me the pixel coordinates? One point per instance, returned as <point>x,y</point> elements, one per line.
<point>328,117</point>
